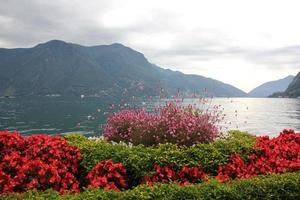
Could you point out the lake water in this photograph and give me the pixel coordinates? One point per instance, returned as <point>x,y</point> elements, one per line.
<point>56,115</point>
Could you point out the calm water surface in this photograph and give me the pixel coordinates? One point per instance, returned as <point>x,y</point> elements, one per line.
<point>55,115</point>
<point>260,116</point>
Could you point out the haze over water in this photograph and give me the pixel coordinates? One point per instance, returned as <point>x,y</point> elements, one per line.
<point>260,116</point>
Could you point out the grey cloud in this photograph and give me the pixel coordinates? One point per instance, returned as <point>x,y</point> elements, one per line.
<point>284,57</point>
<point>28,22</point>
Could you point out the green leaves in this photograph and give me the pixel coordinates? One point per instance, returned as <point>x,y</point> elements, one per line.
<point>139,160</point>
<point>283,186</point>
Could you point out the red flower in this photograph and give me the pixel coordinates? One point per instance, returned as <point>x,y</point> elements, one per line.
<point>185,176</point>
<point>276,155</point>
<point>108,175</point>
<point>189,175</point>
<point>38,161</point>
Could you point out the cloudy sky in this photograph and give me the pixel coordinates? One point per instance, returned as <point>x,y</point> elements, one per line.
<point>244,43</point>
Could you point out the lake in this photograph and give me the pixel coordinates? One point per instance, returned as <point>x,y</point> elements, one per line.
<point>56,115</point>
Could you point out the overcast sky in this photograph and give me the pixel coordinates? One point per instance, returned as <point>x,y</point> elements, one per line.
<point>244,43</point>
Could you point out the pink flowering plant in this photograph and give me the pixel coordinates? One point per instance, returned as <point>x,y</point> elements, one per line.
<point>171,123</point>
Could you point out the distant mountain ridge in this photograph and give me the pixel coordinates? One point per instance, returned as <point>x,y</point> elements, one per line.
<point>293,89</point>
<point>58,67</point>
<point>271,87</point>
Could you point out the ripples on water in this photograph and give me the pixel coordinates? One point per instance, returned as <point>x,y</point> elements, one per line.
<point>260,116</point>
<point>53,115</point>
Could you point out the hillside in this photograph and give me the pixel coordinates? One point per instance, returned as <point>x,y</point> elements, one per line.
<point>271,87</point>
<point>294,88</point>
<point>57,67</point>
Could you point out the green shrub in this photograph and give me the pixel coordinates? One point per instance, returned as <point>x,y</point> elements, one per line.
<point>216,153</point>
<point>139,160</point>
<point>283,186</point>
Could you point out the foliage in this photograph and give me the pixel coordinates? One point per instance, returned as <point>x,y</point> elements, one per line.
<point>108,175</point>
<point>184,176</point>
<point>162,174</point>
<point>139,160</point>
<point>276,155</point>
<point>172,123</point>
<point>189,175</point>
<point>37,161</point>
<point>44,162</point>
<point>283,186</point>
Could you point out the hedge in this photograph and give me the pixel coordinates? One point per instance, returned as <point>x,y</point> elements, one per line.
<point>280,186</point>
<point>139,160</point>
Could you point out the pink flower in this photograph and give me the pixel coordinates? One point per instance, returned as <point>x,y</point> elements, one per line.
<point>172,123</point>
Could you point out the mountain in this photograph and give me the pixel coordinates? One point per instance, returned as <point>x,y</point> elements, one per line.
<point>58,67</point>
<point>293,89</point>
<point>271,87</point>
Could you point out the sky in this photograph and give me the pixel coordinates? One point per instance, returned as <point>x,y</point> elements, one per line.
<point>243,43</point>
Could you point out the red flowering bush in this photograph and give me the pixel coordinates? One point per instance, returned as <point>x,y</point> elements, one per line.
<point>282,153</point>
<point>10,142</point>
<point>38,161</point>
<point>53,150</point>
<point>161,174</point>
<point>185,176</point>
<point>37,174</point>
<point>42,162</point>
<point>276,155</point>
<point>6,182</point>
<point>189,175</point>
<point>236,168</point>
<point>108,175</point>
<point>172,123</point>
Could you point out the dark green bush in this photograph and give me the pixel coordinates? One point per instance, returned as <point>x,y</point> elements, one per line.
<point>139,160</point>
<point>283,186</point>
